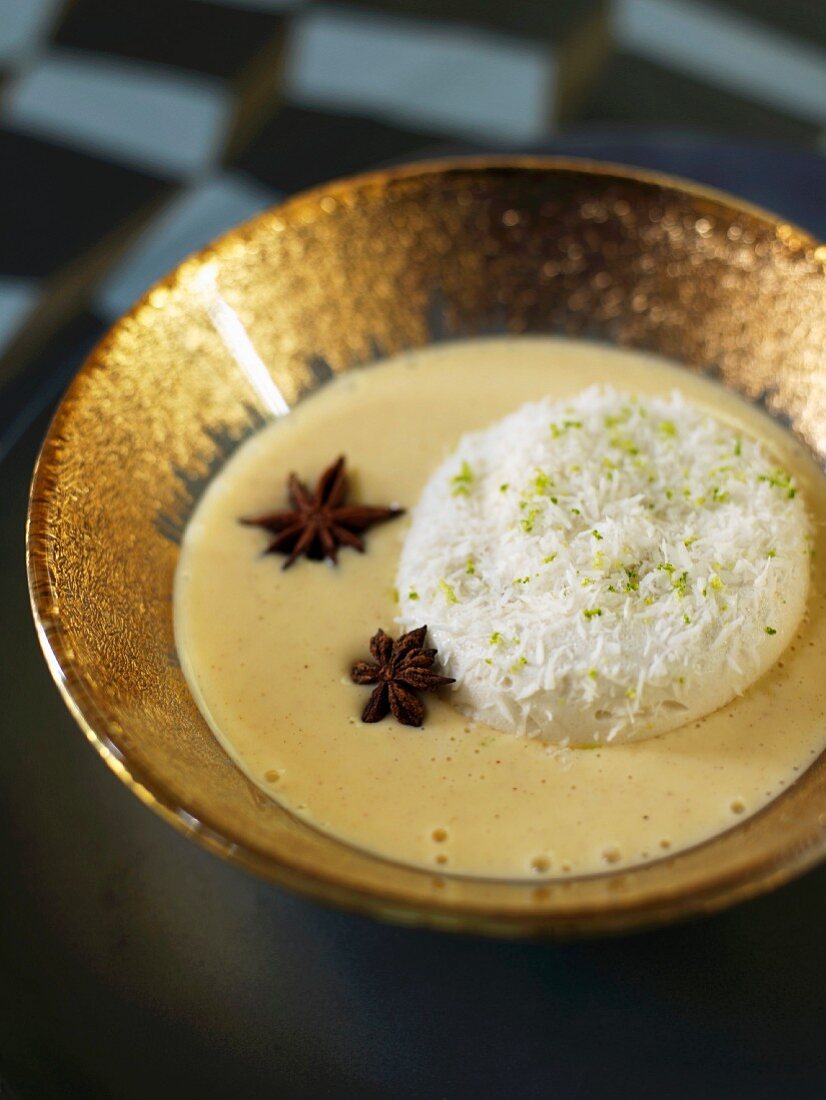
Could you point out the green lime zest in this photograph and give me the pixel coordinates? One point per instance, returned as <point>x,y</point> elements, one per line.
<point>449,594</point>
<point>633,582</point>
<point>542,482</point>
<point>461,482</point>
<point>680,584</point>
<point>527,522</point>
<point>615,421</point>
<point>780,479</point>
<point>624,443</point>
<point>557,430</point>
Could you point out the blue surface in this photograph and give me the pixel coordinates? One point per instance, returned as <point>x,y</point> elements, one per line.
<point>786,181</point>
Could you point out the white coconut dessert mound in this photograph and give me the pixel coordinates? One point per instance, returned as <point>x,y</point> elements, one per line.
<point>606,567</point>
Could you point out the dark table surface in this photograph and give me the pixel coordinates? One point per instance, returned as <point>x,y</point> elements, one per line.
<point>134,964</point>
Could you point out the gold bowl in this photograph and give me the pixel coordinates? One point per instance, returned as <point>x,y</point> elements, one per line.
<point>331,280</point>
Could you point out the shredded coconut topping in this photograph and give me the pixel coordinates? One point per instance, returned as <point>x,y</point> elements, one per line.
<point>606,567</point>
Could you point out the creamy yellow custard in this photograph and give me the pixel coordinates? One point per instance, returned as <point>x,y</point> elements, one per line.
<point>267,653</point>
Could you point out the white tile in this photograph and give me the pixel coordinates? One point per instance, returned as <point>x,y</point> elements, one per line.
<point>153,118</point>
<point>187,223</point>
<point>17,297</point>
<point>433,77</point>
<point>729,50</point>
<point>23,23</point>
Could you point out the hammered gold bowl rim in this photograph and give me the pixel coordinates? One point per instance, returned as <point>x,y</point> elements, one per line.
<point>719,891</point>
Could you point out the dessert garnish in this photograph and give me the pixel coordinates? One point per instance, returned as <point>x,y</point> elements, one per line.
<point>402,668</point>
<point>622,583</point>
<point>317,524</point>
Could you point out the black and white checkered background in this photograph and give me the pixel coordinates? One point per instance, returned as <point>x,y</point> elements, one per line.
<point>133,131</point>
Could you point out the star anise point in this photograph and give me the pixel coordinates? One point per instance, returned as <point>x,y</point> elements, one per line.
<point>402,667</point>
<point>318,523</point>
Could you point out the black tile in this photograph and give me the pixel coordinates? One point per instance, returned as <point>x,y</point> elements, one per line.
<point>299,148</point>
<point>634,90</point>
<point>56,202</point>
<point>550,20</point>
<point>45,375</point>
<point>802,19</point>
<point>208,38</point>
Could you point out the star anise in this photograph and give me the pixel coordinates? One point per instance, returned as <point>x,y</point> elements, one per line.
<point>318,523</point>
<point>402,668</point>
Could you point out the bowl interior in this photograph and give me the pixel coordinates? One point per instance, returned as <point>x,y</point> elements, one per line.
<point>333,280</point>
